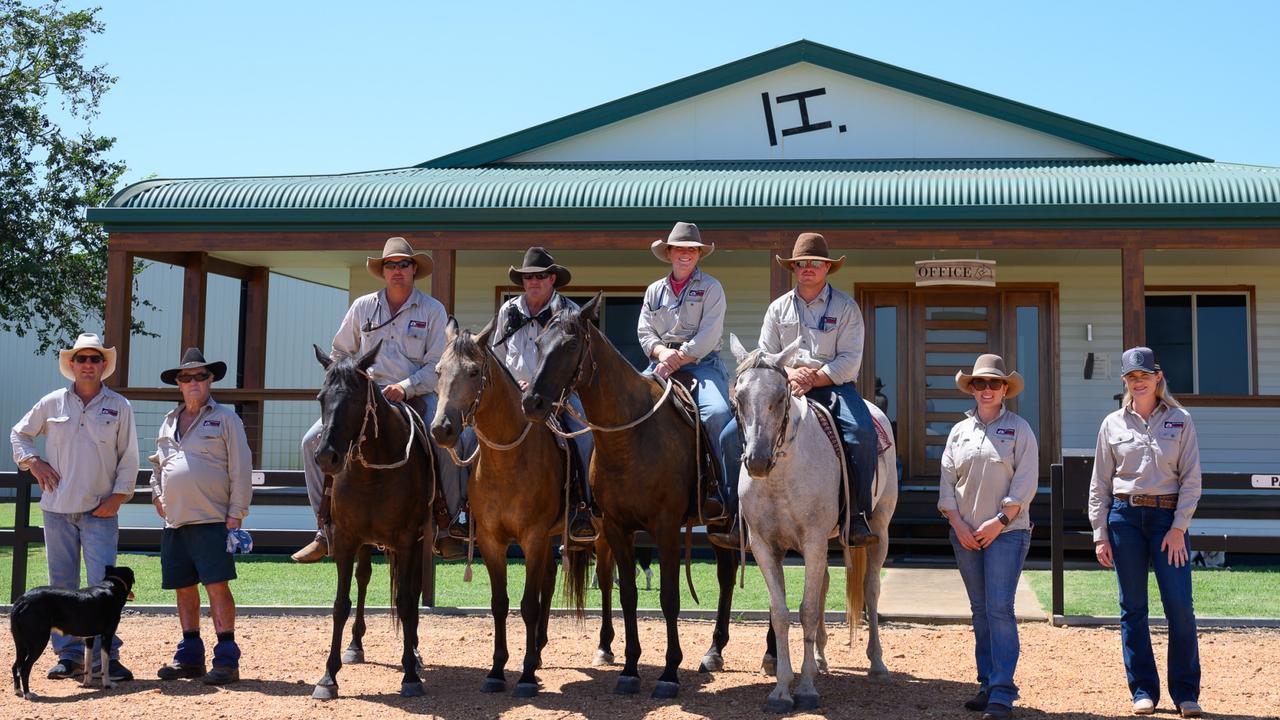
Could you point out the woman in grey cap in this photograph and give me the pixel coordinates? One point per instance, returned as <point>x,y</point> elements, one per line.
<point>1146,484</point>
<point>681,327</point>
<point>990,468</point>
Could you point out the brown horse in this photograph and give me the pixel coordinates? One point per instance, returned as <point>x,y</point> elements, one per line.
<point>643,477</point>
<point>384,480</point>
<point>517,494</point>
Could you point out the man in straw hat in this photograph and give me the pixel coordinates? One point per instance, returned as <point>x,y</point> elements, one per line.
<point>411,326</point>
<point>87,471</point>
<point>829,325</point>
<point>520,321</point>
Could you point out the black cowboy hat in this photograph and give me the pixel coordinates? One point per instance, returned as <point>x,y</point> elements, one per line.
<point>191,360</point>
<point>538,260</point>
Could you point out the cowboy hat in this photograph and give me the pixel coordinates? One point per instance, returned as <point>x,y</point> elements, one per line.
<point>682,235</point>
<point>193,359</point>
<point>398,247</point>
<point>86,341</point>
<point>538,260</point>
<point>810,246</point>
<point>990,366</point>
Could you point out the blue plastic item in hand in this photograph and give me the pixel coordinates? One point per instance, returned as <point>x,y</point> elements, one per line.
<point>239,541</point>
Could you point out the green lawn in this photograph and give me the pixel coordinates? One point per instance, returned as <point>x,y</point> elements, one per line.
<point>8,512</point>
<point>275,580</point>
<point>1244,592</point>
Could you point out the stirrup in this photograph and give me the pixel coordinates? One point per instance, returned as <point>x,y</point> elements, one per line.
<point>460,527</point>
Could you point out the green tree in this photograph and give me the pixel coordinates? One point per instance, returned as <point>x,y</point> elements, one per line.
<point>53,264</point>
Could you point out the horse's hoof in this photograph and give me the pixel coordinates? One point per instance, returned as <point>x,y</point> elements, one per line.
<point>493,685</point>
<point>665,690</point>
<point>779,705</point>
<point>353,656</point>
<point>711,662</point>
<point>823,667</point>
<point>412,689</point>
<point>806,702</point>
<point>627,685</point>
<point>325,692</point>
<point>526,690</point>
<point>602,658</point>
<point>769,666</point>
<point>879,674</point>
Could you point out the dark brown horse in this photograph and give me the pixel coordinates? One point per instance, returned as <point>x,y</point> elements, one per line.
<point>384,480</point>
<point>643,477</point>
<point>517,494</point>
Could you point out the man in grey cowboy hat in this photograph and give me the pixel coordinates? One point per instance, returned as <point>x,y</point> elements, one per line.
<point>829,325</point>
<point>87,471</point>
<point>411,326</point>
<point>520,321</point>
<point>201,484</point>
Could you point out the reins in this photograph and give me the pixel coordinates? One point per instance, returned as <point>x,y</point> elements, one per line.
<point>371,411</point>
<point>469,418</point>
<point>590,426</point>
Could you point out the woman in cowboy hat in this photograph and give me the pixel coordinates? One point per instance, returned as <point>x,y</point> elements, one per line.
<point>681,328</point>
<point>1145,488</point>
<point>989,472</point>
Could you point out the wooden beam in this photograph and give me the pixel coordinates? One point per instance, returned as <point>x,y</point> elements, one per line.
<point>118,318</point>
<point>444,277</point>
<point>779,277</point>
<point>195,285</point>
<point>1133,303</point>
<point>253,355</point>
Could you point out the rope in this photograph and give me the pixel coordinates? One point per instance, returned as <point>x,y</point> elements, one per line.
<point>371,411</point>
<point>601,428</point>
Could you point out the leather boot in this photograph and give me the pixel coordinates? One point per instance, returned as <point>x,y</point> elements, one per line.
<point>726,538</point>
<point>460,528</point>
<point>714,505</point>
<point>859,532</point>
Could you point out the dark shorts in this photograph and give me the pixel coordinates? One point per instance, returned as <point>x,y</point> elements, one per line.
<point>195,554</point>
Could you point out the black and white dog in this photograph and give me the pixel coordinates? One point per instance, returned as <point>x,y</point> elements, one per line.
<point>88,613</point>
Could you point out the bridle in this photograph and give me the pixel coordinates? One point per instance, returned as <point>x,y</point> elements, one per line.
<point>355,449</point>
<point>780,441</point>
<point>469,417</point>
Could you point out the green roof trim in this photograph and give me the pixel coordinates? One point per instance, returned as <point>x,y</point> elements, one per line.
<point>1051,123</point>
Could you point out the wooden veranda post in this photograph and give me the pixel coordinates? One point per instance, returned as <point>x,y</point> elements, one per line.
<point>1133,302</point>
<point>118,318</point>
<point>444,277</point>
<point>195,284</point>
<point>779,277</point>
<point>253,355</point>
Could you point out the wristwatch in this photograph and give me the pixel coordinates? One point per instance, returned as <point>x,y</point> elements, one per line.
<point>1004,519</point>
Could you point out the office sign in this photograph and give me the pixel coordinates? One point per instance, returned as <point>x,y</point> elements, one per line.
<point>956,272</point>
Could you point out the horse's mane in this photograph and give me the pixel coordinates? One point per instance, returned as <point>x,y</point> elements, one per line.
<point>465,345</point>
<point>755,359</point>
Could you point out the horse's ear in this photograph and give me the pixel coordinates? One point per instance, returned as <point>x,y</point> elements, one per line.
<point>486,332</point>
<point>783,359</point>
<point>591,311</point>
<point>366,360</point>
<point>451,330</point>
<point>325,360</point>
<point>740,353</point>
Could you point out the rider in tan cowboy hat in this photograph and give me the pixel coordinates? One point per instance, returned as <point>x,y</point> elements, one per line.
<point>398,249</point>
<point>990,366</point>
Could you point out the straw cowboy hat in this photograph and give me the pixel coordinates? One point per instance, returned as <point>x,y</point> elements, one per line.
<point>395,248</point>
<point>86,341</point>
<point>990,366</point>
<point>811,246</point>
<point>538,260</point>
<point>682,235</point>
<point>193,359</point>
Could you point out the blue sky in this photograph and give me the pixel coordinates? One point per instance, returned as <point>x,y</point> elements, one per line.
<point>291,87</point>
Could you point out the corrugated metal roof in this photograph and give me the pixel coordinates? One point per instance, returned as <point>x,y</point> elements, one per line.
<point>830,184</point>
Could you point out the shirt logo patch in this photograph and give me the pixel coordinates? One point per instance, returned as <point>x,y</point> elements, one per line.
<point>697,293</point>
<point>1005,432</point>
<point>109,411</point>
<point>1174,424</point>
<point>422,324</point>
<point>211,423</point>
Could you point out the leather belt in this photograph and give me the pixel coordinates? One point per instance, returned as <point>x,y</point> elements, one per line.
<point>1164,502</point>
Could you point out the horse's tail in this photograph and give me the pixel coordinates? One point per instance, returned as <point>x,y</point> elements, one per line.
<point>393,566</point>
<point>855,574</point>
<point>577,567</point>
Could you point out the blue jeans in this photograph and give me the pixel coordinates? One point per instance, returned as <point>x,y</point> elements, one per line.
<point>66,536</point>
<point>1136,534</point>
<point>991,579</point>
<point>858,432</point>
<point>718,417</point>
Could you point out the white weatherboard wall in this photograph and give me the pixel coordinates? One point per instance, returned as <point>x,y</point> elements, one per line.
<point>878,121</point>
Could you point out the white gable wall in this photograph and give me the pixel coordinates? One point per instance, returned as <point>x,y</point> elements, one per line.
<point>880,123</point>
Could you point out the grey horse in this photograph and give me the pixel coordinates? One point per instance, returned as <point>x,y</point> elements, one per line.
<point>789,500</point>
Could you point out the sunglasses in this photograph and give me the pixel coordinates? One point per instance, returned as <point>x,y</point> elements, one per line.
<point>810,263</point>
<point>91,359</point>
<point>198,377</point>
<point>398,264</point>
<point>984,383</point>
<point>536,276</point>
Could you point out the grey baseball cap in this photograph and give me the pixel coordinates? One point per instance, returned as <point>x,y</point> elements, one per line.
<point>1138,358</point>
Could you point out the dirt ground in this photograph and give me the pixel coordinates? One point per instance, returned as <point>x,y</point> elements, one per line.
<point>1067,673</point>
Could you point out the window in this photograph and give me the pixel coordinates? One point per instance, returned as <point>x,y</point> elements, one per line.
<point>1203,340</point>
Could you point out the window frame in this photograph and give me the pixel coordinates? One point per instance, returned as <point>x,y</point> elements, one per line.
<point>1251,325</point>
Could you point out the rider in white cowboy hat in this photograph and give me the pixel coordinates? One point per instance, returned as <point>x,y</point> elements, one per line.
<point>88,470</point>
<point>681,328</point>
<point>411,326</point>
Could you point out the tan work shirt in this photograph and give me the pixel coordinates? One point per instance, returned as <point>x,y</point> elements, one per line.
<point>519,351</point>
<point>830,329</point>
<point>1159,456</point>
<point>94,447</point>
<point>988,466</point>
<point>412,342</point>
<point>694,318</point>
<point>205,475</point>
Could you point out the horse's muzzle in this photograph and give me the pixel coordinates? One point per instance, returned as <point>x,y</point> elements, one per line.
<point>330,461</point>
<point>536,408</point>
<point>445,431</point>
<point>758,467</point>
